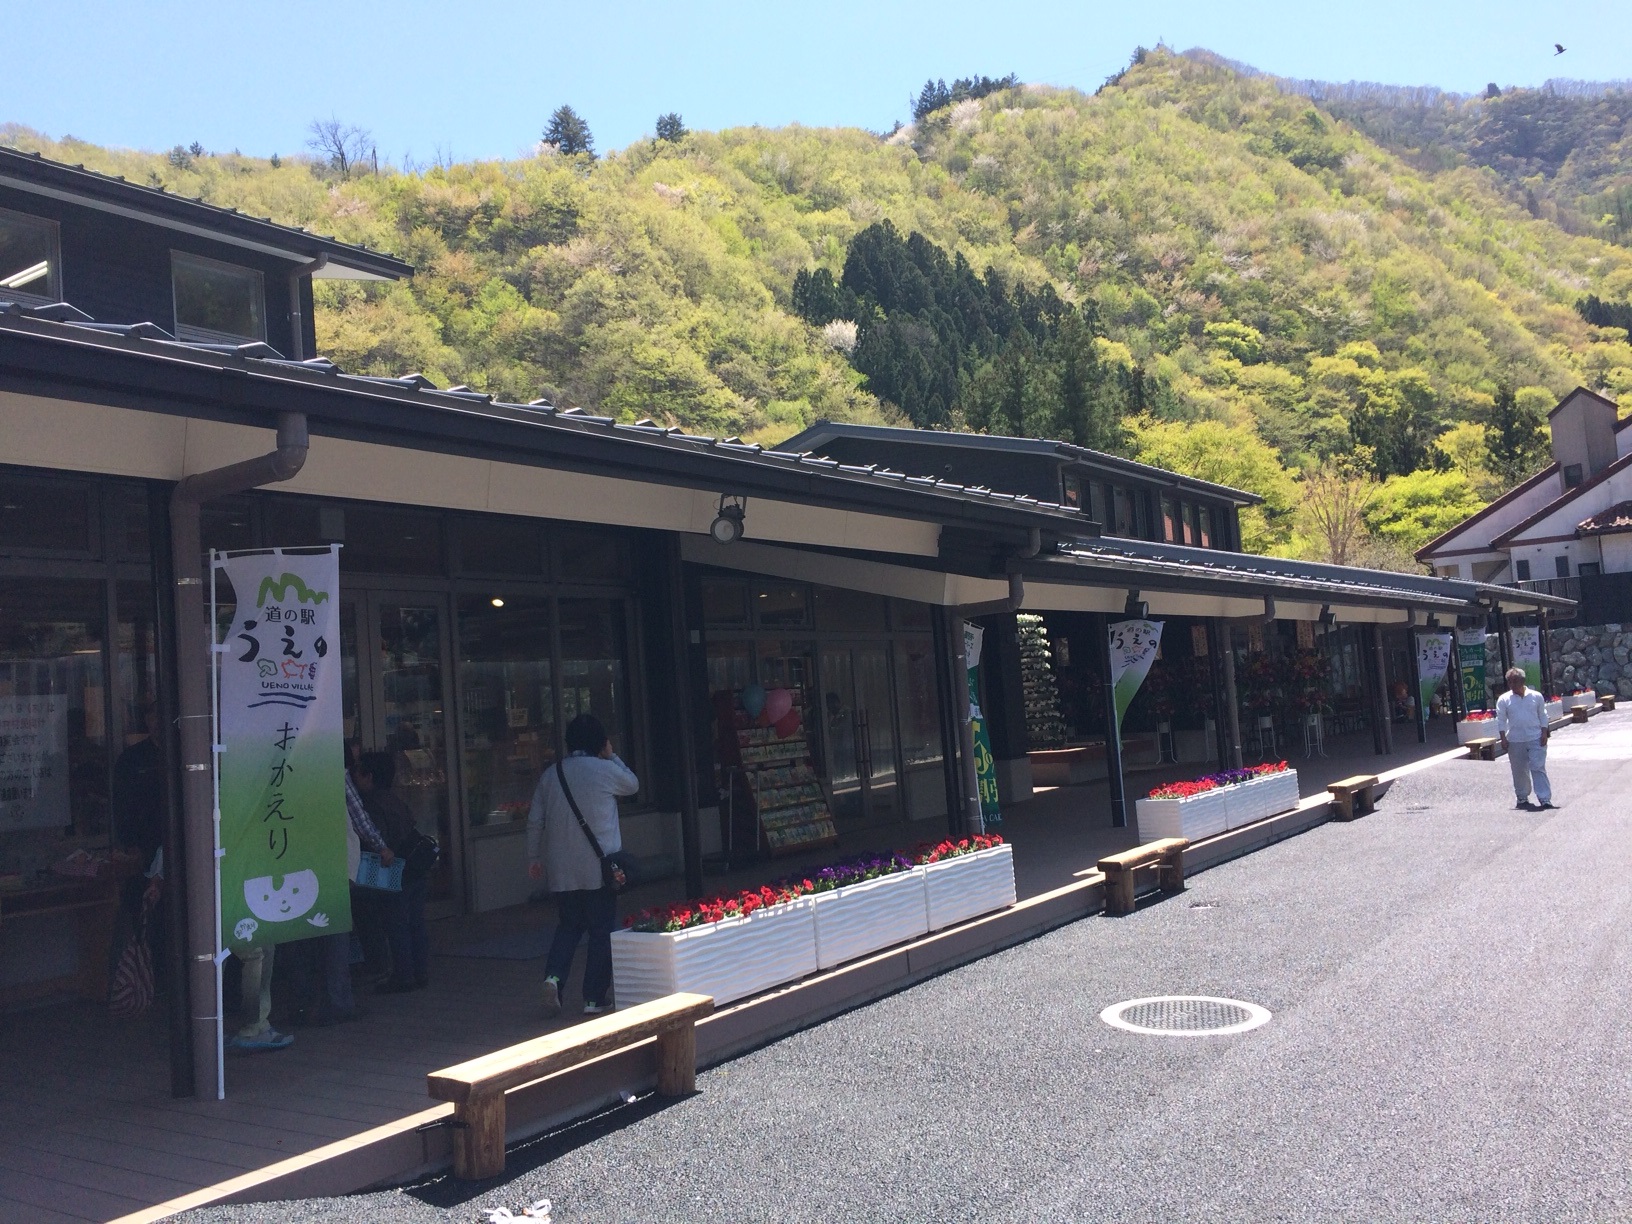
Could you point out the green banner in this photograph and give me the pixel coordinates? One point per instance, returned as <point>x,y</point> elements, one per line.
<point>282,759</point>
<point>1526,643</point>
<point>1470,649</point>
<point>1134,644</point>
<point>1433,661</point>
<point>985,763</point>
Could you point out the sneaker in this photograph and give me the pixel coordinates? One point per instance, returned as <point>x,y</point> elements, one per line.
<point>595,1009</point>
<point>1524,805</point>
<point>1547,805</point>
<point>269,1040</point>
<point>552,997</point>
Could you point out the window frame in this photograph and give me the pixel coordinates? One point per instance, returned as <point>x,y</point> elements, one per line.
<point>53,274</point>
<point>204,335</point>
<point>1521,569</point>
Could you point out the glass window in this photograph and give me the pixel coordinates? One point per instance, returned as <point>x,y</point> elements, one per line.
<point>583,554</point>
<point>1189,513</point>
<point>782,605</point>
<point>228,524</point>
<point>1522,568</point>
<point>1170,531</point>
<point>905,614</point>
<point>375,539</point>
<point>130,525</point>
<point>1097,508</point>
<point>839,610</point>
<point>920,728</point>
<point>595,669</point>
<point>30,262</point>
<point>508,704</point>
<point>500,546</point>
<point>217,302</point>
<point>1204,524</point>
<point>54,763</point>
<point>135,660</point>
<point>725,603</point>
<point>1561,566</point>
<point>46,514</point>
<point>1572,475</point>
<point>1072,492</point>
<point>1122,511</point>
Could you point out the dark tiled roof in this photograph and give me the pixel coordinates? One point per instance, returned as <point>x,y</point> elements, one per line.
<point>1607,522</point>
<point>21,170</point>
<point>65,322</point>
<point>825,431</point>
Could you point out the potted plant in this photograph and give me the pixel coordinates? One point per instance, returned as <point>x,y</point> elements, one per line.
<point>866,904</point>
<point>1479,724</point>
<point>728,947</point>
<point>965,878</point>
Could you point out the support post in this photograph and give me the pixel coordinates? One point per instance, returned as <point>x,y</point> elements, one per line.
<point>946,690</point>
<point>685,711</point>
<point>1505,649</point>
<point>1542,633</point>
<point>1232,703</point>
<point>974,822</point>
<point>1385,724</point>
<point>1221,748</point>
<point>1417,703</point>
<point>1113,733</point>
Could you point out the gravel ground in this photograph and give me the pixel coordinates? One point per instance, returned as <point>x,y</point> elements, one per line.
<point>1449,1043</point>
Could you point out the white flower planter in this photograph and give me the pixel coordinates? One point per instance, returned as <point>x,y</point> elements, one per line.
<point>1571,700</point>
<point>1472,729</point>
<point>1243,803</point>
<point>1280,791</point>
<point>968,885</point>
<point>1200,816</point>
<point>729,960</point>
<point>861,918</point>
<point>1555,710</point>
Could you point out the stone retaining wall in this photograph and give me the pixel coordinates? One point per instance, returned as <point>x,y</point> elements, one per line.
<point>1598,657</point>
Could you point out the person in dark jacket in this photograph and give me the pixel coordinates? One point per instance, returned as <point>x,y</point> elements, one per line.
<point>403,912</point>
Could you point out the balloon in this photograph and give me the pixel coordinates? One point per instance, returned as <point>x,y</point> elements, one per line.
<point>787,724</point>
<point>753,700</point>
<point>777,704</point>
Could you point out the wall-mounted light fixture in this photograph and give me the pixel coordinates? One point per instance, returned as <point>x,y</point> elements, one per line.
<point>1135,607</point>
<point>727,525</point>
<point>496,602</point>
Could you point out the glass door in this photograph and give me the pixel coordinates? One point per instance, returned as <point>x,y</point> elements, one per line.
<point>394,671</point>
<point>859,739</point>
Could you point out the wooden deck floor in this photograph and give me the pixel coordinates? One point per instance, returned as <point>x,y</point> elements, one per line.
<point>88,1130</point>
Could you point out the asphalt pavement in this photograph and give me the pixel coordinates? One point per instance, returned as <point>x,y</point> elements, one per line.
<point>1450,1041</point>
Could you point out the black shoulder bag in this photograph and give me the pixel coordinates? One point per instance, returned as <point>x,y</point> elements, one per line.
<point>613,877</point>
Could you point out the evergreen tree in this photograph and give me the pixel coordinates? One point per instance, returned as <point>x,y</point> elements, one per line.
<point>568,132</point>
<point>1517,438</point>
<point>1045,725</point>
<point>670,128</point>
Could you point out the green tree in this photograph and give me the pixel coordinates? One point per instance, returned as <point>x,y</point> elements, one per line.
<point>568,132</point>
<point>670,128</point>
<point>1232,455</point>
<point>1412,509</point>
<point>1517,438</point>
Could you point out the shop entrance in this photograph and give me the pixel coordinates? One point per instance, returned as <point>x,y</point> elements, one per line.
<point>859,733</point>
<point>395,669</point>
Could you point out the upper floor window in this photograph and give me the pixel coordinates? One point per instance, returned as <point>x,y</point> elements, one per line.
<point>1122,510</point>
<point>217,303</point>
<point>1572,475</point>
<point>1561,566</point>
<point>1170,521</point>
<point>30,261</point>
<point>1204,524</point>
<point>1521,567</point>
<point>1189,512</point>
<point>1071,494</point>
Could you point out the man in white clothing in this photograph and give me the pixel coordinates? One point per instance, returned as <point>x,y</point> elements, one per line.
<point>568,852</point>
<point>1521,721</point>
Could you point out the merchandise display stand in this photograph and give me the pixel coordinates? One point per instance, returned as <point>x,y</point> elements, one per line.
<point>775,778</point>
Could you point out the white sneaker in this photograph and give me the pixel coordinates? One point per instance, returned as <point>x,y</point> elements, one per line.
<point>552,997</point>
<point>595,1009</point>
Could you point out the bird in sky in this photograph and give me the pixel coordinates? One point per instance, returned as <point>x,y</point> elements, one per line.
<point>1558,48</point>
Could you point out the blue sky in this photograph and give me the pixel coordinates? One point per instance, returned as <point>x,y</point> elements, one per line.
<point>478,78</point>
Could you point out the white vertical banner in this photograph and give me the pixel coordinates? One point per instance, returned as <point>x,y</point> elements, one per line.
<point>1134,644</point>
<point>1526,644</point>
<point>1433,661</point>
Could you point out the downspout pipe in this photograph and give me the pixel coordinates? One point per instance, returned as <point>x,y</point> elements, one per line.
<point>194,638</point>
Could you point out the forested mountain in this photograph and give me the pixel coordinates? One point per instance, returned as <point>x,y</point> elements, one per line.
<point>1192,265</point>
<point>1562,151</point>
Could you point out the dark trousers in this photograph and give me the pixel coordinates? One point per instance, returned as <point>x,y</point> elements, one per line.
<point>590,912</point>
<point>406,932</point>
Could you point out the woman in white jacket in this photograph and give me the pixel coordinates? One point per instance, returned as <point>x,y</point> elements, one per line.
<point>561,853</point>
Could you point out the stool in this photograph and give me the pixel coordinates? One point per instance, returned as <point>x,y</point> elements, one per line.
<point>1314,735</point>
<point>1268,745</point>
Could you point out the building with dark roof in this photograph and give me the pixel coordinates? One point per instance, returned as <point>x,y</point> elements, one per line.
<point>507,566</point>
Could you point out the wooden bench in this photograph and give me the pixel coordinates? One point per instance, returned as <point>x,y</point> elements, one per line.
<point>1353,796</point>
<point>1165,855</point>
<point>1607,701</point>
<point>477,1087</point>
<point>1580,713</point>
<point>1484,748</point>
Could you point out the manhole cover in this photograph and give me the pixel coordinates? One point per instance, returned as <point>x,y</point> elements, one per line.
<point>1185,1016</point>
